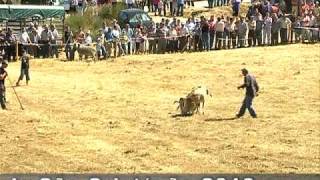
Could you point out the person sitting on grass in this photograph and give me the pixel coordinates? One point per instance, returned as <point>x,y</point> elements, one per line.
<point>24,71</point>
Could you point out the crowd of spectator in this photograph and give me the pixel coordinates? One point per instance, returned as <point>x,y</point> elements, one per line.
<point>40,41</point>
<point>258,28</point>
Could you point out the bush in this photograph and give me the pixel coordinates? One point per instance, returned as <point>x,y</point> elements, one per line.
<point>92,22</point>
<point>111,12</point>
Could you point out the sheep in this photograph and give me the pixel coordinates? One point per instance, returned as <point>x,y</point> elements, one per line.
<point>87,51</point>
<point>190,104</point>
<point>200,90</point>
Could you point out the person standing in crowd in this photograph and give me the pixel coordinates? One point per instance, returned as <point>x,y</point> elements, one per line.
<point>88,38</point>
<point>184,36</point>
<point>24,39</point>
<point>129,32</point>
<point>210,4</point>
<point>80,36</point>
<point>160,7</point>
<point>35,39</point>
<point>197,37</point>
<point>124,43</point>
<point>155,5</point>
<point>109,41</point>
<point>68,40</point>
<point>190,3</point>
<point>139,41</point>
<point>165,6</point>
<point>267,30</point>
<point>46,37</point>
<point>297,31</point>
<point>252,32</point>
<point>236,7</point>
<point>259,27</point>
<point>243,28</point>
<point>2,42</point>
<point>205,36</point>
<point>152,37</point>
<point>220,25</point>
<point>276,25</point>
<point>38,28</point>
<point>227,34</point>
<point>3,76</point>
<point>285,23</point>
<point>105,29</point>
<point>53,42</point>
<point>252,89</point>
<point>84,7</point>
<point>116,40</point>
<point>10,49</point>
<point>180,7</point>
<point>24,69</point>
<point>101,50</point>
<point>212,30</point>
<point>174,8</point>
<point>173,41</point>
<point>162,42</point>
<point>233,34</point>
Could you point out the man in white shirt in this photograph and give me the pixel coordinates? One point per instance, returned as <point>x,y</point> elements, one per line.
<point>219,32</point>
<point>55,37</point>
<point>88,38</point>
<point>190,25</point>
<point>24,39</point>
<point>285,23</point>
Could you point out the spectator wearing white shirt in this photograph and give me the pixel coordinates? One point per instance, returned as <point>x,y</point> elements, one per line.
<point>46,37</point>
<point>88,38</point>
<point>116,36</point>
<point>242,32</point>
<point>267,30</point>
<point>55,37</point>
<point>285,23</point>
<point>219,32</point>
<point>24,37</point>
<point>24,40</point>
<point>35,38</point>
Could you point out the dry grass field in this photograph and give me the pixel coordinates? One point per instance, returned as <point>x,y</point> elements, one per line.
<point>118,116</point>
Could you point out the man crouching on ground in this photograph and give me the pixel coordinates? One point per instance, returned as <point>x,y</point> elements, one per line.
<point>252,89</point>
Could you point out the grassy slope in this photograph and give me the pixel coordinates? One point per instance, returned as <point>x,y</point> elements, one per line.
<point>116,116</point>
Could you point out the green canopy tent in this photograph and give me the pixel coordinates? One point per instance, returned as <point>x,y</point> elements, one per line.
<point>17,12</point>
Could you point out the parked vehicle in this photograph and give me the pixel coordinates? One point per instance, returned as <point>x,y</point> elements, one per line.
<point>133,17</point>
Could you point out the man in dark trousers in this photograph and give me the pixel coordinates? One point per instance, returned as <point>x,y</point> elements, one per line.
<point>24,71</point>
<point>3,75</point>
<point>252,89</point>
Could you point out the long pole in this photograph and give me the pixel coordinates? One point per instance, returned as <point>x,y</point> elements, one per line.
<point>16,94</point>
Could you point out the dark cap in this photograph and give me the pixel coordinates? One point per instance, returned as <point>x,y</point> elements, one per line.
<point>244,70</point>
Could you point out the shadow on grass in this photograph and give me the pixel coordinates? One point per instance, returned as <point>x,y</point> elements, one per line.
<point>181,115</point>
<point>221,119</point>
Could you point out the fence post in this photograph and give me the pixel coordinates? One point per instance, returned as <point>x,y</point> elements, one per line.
<point>17,50</point>
<point>115,49</point>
